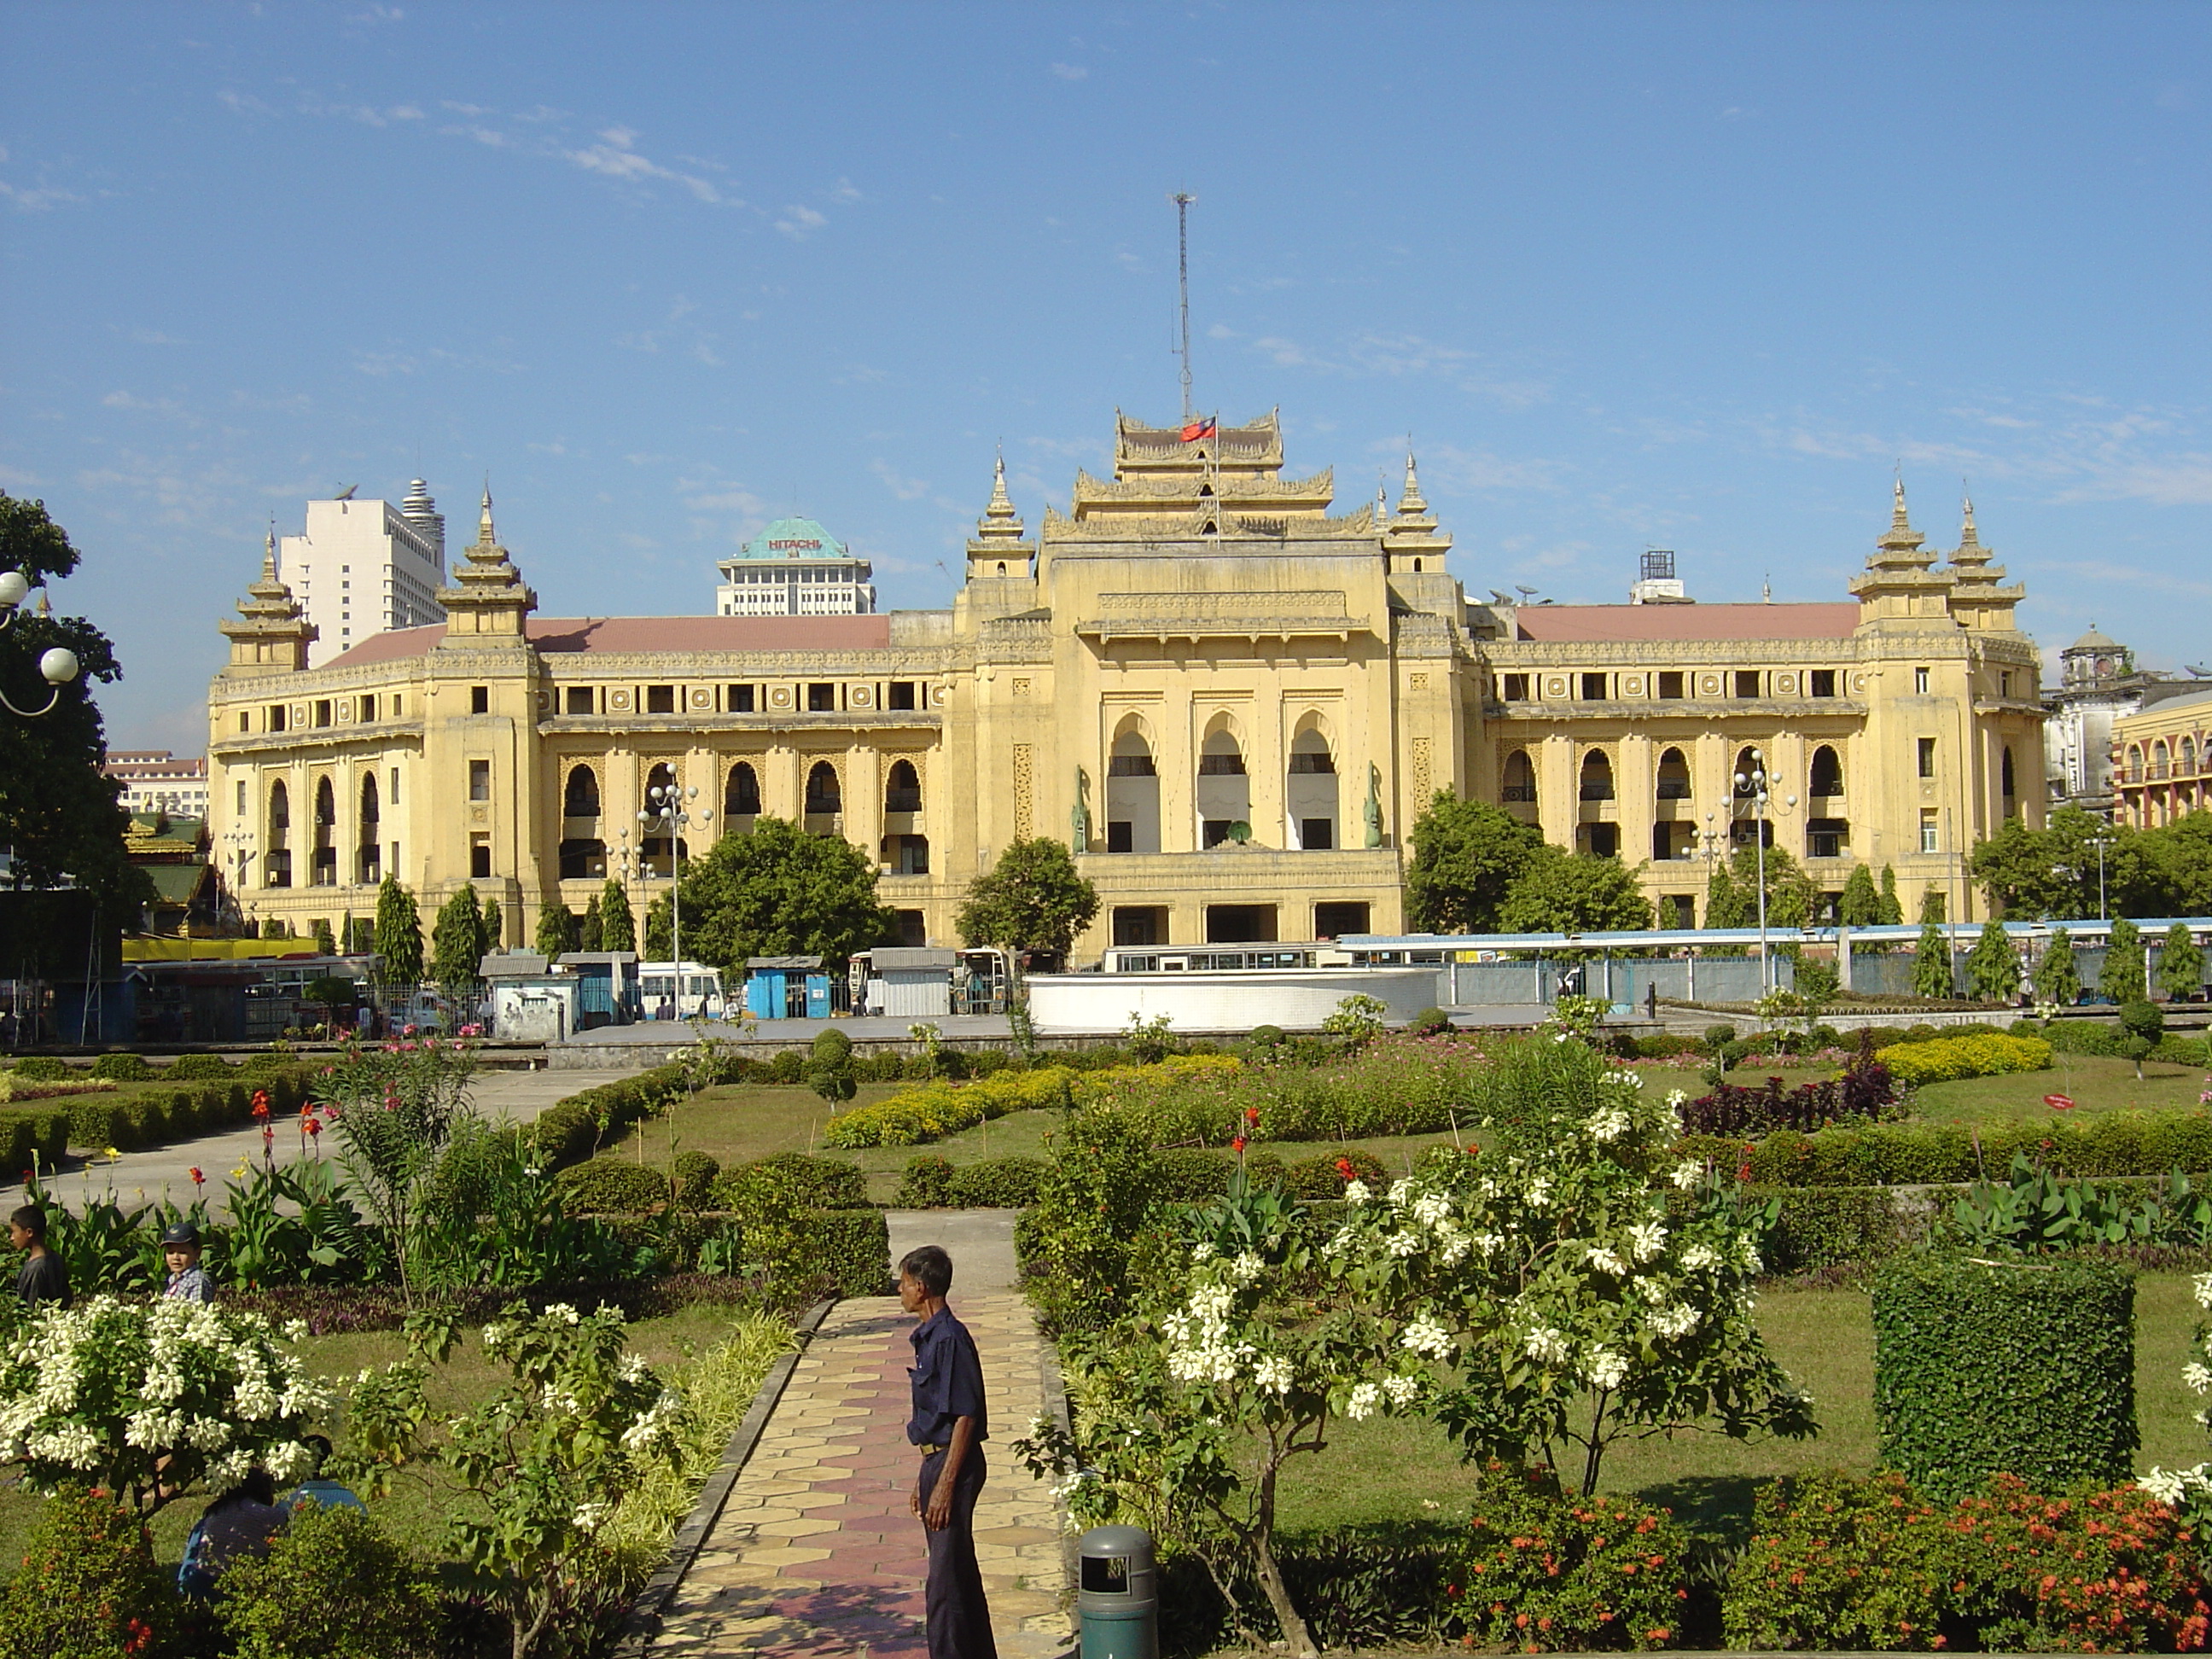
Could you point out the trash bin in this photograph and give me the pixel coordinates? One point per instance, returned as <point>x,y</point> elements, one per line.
<point>1117,1600</point>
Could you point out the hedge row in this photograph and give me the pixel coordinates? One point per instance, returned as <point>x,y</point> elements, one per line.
<point>1945,1060</point>
<point>152,1116</point>
<point>578,1125</point>
<point>934,1110</point>
<point>35,1137</point>
<point>1896,1154</point>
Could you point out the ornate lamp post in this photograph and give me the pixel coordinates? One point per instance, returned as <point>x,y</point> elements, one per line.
<point>238,840</point>
<point>59,666</point>
<point>1752,785</point>
<point>669,813</point>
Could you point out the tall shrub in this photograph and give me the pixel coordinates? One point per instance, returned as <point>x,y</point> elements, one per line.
<point>2180,963</point>
<point>1993,966</point>
<point>2017,1368</point>
<point>1893,908</point>
<point>617,927</point>
<point>334,1585</point>
<point>457,941</point>
<point>1931,961</point>
<point>2058,976</point>
<point>2122,980</point>
<point>558,932</point>
<point>399,932</point>
<point>88,1587</point>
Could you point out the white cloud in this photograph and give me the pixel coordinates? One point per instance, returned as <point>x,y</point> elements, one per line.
<point>1071,71</point>
<point>907,489</point>
<point>800,222</point>
<point>1466,470</point>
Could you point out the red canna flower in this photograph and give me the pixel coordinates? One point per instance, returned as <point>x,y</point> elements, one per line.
<point>199,1180</point>
<point>1344,1168</point>
<point>261,1102</point>
<point>1252,1115</point>
<point>1237,1144</point>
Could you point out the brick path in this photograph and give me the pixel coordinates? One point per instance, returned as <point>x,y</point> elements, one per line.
<point>817,1552</point>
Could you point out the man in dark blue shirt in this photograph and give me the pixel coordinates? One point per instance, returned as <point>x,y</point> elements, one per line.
<point>949,1425</point>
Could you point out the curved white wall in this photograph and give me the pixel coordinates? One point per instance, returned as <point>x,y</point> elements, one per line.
<point>1293,998</point>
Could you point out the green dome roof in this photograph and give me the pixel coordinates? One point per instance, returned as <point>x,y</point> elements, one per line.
<point>793,539</point>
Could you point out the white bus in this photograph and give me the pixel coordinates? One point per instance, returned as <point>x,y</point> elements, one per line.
<point>703,991</point>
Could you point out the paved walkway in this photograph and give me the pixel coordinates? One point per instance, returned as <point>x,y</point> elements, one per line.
<point>146,1177</point>
<point>817,1552</point>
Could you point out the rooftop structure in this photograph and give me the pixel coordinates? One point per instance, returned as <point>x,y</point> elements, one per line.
<point>360,567</point>
<point>155,780</point>
<point>795,567</point>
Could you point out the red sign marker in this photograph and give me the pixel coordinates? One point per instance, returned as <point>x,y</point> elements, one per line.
<point>2058,1103</point>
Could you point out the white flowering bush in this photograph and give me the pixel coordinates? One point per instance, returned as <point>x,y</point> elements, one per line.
<point>152,1400</point>
<point>548,1458</point>
<point>1572,1288</point>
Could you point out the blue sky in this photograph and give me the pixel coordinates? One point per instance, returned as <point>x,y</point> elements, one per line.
<point>1696,276</point>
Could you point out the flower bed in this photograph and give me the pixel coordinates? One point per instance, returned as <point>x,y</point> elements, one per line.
<point>934,1110</point>
<point>1946,1060</point>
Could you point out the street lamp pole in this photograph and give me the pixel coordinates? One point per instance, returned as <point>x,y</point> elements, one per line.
<point>58,666</point>
<point>1754,783</point>
<point>670,813</point>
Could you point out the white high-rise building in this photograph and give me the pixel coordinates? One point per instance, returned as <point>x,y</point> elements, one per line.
<point>795,567</point>
<point>363,567</point>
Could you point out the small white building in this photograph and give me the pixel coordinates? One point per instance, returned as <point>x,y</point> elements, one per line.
<point>155,780</point>
<point>363,568</point>
<point>795,567</point>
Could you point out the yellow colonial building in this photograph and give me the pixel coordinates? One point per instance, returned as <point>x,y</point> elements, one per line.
<point>1231,700</point>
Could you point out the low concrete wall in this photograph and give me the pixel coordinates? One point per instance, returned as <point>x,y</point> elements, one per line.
<point>1295,998</point>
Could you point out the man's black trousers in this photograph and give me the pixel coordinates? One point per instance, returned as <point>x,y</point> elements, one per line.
<point>959,1622</point>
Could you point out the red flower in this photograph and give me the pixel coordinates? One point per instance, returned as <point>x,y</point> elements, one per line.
<point>261,1102</point>
<point>1237,1144</point>
<point>198,1178</point>
<point>1252,1115</point>
<point>1344,1168</point>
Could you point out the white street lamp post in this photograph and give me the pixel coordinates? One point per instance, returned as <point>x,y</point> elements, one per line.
<point>1754,783</point>
<point>670,815</point>
<point>59,666</point>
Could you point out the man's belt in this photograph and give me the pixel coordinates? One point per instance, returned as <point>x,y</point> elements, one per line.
<point>928,1451</point>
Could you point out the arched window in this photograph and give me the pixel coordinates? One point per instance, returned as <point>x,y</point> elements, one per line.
<point>824,797</point>
<point>1132,794</point>
<point>1745,779</point>
<point>902,789</point>
<point>1309,792</point>
<point>1519,779</point>
<point>276,863</point>
<point>371,856</point>
<point>580,799</point>
<point>326,852</point>
<point>2184,763</point>
<point>1827,777</point>
<point>1674,776</point>
<point>1225,792</point>
<point>741,794</point>
<point>1597,776</point>
<point>2135,763</point>
<point>2158,758</point>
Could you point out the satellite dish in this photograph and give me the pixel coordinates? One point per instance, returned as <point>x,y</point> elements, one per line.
<point>1525,592</point>
<point>2199,670</point>
<point>1502,598</point>
<point>345,495</point>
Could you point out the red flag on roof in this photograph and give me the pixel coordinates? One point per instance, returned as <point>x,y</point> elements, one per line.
<point>1194,430</point>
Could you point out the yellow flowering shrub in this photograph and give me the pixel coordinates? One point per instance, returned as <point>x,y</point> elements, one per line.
<point>1945,1060</point>
<point>931,1111</point>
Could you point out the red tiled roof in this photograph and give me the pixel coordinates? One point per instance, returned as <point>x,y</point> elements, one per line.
<point>1579,624</point>
<point>638,634</point>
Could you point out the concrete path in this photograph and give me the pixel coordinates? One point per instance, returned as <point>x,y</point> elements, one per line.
<point>818,1551</point>
<point>146,1177</point>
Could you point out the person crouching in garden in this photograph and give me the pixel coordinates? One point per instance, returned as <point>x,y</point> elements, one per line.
<point>238,1525</point>
<point>188,1280</point>
<point>42,1280</point>
<point>950,1425</point>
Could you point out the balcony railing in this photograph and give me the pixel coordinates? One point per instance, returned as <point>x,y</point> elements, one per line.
<point>902,800</point>
<point>1518,792</point>
<point>1674,789</point>
<point>1597,791</point>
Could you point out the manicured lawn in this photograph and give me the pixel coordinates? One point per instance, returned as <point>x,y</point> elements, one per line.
<point>2094,1083</point>
<point>1388,1466</point>
<point>414,1511</point>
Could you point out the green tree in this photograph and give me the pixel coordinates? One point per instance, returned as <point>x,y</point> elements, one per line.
<point>591,936</point>
<point>1724,901</point>
<point>1033,900</point>
<point>1466,856</point>
<point>2122,980</point>
<point>1931,903</point>
<point>780,891</point>
<point>618,928</point>
<point>2017,869</point>
<point>58,813</point>
<point>1931,961</point>
<point>1560,893</point>
<point>2057,975</point>
<point>1893,911</point>
<point>2180,964</point>
<point>399,932</point>
<point>457,941</point>
<point>557,931</point>
<point>659,932</point>
<point>326,942</point>
<point>2169,868</point>
<point>276,928</point>
<point>1993,966</point>
<point>1861,906</point>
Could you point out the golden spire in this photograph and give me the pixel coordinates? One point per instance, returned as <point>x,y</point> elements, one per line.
<point>1001,525</point>
<point>1412,504</point>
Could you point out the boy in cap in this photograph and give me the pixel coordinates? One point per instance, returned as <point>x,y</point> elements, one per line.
<point>188,1280</point>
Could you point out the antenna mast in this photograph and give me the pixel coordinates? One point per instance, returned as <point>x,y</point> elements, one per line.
<point>1182,199</point>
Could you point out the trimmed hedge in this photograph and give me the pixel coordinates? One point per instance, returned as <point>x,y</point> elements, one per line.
<point>133,1119</point>
<point>995,1183</point>
<point>1817,1227</point>
<point>201,1068</point>
<point>42,1068</point>
<point>123,1067</point>
<point>2025,1369</point>
<point>1982,1054</point>
<point>30,1133</point>
<point>693,1175</point>
<point>851,1247</point>
<point>1896,1154</point>
<point>611,1186</point>
<point>573,1128</point>
<point>793,1181</point>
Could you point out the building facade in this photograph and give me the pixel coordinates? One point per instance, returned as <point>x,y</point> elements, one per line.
<point>795,567</point>
<point>361,568</point>
<point>1232,700</point>
<point>2098,683</point>
<point>155,780</point>
<point>2161,758</point>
